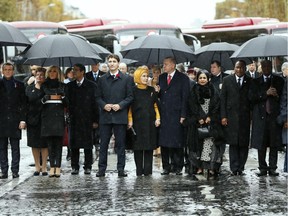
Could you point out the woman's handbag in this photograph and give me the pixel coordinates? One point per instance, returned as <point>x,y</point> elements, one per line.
<point>203,132</point>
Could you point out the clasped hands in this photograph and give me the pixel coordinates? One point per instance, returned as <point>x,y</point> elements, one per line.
<point>272,92</point>
<point>109,107</point>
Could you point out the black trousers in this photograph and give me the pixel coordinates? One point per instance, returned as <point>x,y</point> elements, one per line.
<point>55,144</point>
<point>15,151</point>
<point>172,159</point>
<point>237,157</point>
<point>273,151</point>
<point>88,158</point>
<point>119,131</point>
<point>143,161</point>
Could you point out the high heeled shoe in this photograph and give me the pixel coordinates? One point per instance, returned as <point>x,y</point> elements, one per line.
<point>57,172</point>
<point>52,172</point>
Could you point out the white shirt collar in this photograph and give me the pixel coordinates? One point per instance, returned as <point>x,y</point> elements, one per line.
<point>171,74</point>
<point>81,81</point>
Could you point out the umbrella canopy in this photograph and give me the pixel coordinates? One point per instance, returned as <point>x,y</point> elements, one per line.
<point>263,46</point>
<point>220,51</point>
<point>11,36</point>
<point>153,49</point>
<point>103,52</point>
<point>61,50</point>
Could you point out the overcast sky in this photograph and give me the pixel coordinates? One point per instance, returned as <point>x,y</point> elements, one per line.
<point>183,13</point>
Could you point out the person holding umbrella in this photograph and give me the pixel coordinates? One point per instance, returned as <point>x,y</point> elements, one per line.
<point>265,95</point>
<point>53,119</point>
<point>174,89</point>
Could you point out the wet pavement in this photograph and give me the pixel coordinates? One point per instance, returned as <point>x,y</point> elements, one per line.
<point>154,195</point>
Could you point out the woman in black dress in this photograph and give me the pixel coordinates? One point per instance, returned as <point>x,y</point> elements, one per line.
<point>144,117</point>
<point>203,106</point>
<point>52,116</point>
<point>34,140</point>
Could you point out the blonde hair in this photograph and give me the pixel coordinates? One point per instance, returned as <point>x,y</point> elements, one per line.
<point>59,77</point>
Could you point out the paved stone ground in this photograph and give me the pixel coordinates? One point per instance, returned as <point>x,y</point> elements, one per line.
<point>155,195</point>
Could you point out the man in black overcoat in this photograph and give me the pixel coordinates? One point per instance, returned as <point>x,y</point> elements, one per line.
<point>12,119</point>
<point>173,95</point>
<point>114,95</point>
<point>84,116</point>
<point>265,95</point>
<point>235,116</point>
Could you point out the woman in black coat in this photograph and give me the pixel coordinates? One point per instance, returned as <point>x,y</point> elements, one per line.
<point>145,118</point>
<point>52,117</point>
<point>34,139</point>
<point>203,111</point>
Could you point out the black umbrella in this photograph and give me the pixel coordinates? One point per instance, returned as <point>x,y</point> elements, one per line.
<point>263,46</point>
<point>61,50</point>
<point>103,52</point>
<point>11,36</point>
<point>218,51</point>
<point>153,49</point>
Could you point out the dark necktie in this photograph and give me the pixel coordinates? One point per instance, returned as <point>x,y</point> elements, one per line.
<point>239,82</point>
<point>78,84</point>
<point>169,79</point>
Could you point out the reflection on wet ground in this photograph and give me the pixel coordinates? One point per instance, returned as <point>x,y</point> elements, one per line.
<point>154,195</point>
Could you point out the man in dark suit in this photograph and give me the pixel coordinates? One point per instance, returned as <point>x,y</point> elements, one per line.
<point>235,116</point>
<point>94,76</point>
<point>265,94</point>
<point>174,90</point>
<point>84,116</point>
<point>12,119</point>
<point>217,75</point>
<point>95,73</point>
<point>114,95</point>
<point>252,72</point>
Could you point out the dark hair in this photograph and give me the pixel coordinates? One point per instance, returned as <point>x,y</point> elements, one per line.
<point>203,71</point>
<point>216,62</point>
<point>7,64</point>
<point>172,59</point>
<point>113,56</point>
<point>41,69</point>
<point>81,66</point>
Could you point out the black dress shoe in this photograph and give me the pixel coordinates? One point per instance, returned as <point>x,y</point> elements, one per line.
<point>165,172</point>
<point>15,175</point>
<point>44,173</point>
<point>87,171</point>
<point>273,173</point>
<point>122,174</point>
<point>100,174</point>
<point>178,172</point>
<point>74,172</point>
<point>241,173</point>
<point>36,173</point>
<point>234,173</point>
<point>4,176</point>
<point>262,173</point>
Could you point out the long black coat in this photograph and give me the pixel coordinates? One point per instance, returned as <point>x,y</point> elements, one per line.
<point>173,106</point>
<point>236,107</point>
<point>114,91</point>
<point>33,118</point>
<point>52,116</point>
<point>13,105</point>
<point>195,113</point>
<point>144,117</point>
<point>83,112</point>
<point>258,97</point>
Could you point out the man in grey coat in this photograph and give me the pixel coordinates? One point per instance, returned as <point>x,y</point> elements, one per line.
<point>114,95</point>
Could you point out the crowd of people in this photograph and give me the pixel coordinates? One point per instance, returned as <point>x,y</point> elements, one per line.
<point>186,118</point>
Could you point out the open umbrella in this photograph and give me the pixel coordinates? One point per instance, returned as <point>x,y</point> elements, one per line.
<point>153,49</point>
<point>11,36</point>
<point>103,52</point>
<point>263,46</point>
<point>61,50</point>
<point>219,51</point>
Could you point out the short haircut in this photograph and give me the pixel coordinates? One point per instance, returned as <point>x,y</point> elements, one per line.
<point>81,66</point>
<point>113,56</point>
<point>216,62</point>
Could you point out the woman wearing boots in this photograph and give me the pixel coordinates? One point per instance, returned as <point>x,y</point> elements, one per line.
<point>53,120</point>
<point>144,117</point>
